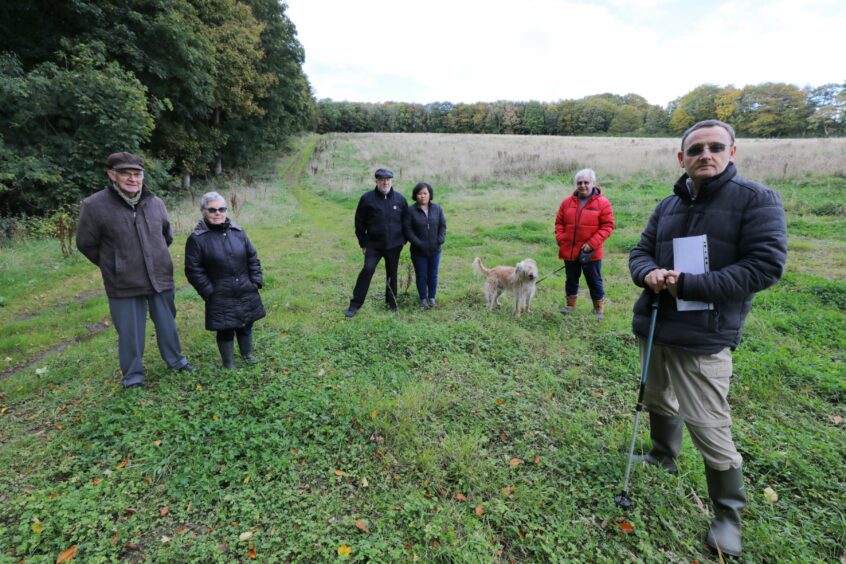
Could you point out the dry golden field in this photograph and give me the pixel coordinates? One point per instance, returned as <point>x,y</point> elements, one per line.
<point>459,160</point>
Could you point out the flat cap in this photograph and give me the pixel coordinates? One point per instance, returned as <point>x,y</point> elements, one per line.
<point>119,161</point>
<point>383,173</point>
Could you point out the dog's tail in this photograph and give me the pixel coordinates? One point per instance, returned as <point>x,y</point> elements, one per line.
<point>479,267</point>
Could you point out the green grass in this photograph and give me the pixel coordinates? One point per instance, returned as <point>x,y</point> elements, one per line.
<point>384,420</point>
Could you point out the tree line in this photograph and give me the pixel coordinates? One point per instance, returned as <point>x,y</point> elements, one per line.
<point>195,85</point>
<point>764,110</point>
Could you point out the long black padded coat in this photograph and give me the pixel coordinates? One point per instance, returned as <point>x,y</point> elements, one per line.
<point>223,266</point>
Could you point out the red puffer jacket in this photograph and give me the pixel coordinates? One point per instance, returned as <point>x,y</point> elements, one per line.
<point>592,224</point>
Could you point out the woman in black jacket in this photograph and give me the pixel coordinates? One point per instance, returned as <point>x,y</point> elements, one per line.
<point>222,265</point>
<point>425,227</point>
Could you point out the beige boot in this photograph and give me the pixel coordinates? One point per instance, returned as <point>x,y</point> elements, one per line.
<point>599,309</point>
<point>571,305</point>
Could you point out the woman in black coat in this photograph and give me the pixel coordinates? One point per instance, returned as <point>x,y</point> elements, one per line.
<point>222,265</point>
<point>425,227</point>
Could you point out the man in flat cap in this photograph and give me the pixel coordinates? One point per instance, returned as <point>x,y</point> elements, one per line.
<point>378,227</point>
<point>124,229</point>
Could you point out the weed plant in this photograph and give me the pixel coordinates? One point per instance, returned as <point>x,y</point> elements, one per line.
<point>447,434</point>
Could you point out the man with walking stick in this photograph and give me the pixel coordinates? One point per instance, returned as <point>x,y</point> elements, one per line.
<point>701,315</point>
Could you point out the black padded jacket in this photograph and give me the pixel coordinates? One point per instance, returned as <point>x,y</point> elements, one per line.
<point>223,266</point>
<point>747,249</point>
<point>378,219</point>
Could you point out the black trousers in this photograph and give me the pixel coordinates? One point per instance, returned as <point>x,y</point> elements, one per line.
<point>371,261</point>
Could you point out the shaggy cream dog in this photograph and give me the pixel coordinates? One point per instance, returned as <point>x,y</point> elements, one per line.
<point>519,279</point>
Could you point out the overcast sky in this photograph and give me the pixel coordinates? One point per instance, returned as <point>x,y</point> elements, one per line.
<point>547,50</point>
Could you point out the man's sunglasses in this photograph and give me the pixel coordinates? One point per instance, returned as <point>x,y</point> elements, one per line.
<point>699,148</point>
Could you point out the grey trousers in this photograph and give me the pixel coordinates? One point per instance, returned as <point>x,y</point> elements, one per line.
<point>130,318</point>
<point>695,387</point>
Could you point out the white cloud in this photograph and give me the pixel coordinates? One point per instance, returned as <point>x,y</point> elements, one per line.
<point>474,50</point>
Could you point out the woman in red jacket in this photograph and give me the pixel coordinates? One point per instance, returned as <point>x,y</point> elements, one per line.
<point>583,223</point>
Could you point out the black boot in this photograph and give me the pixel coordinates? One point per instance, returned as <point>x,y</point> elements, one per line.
<point>245,345</point>
<point>666,434</point>
<point>725,488</point>
<point>226,348</point>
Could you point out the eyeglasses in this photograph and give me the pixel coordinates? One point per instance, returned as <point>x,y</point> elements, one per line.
<point>699,148</point>
<point>215,210</point>
<point>130,173</point>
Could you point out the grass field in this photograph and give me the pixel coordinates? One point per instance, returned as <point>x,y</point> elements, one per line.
<point>442,435</point>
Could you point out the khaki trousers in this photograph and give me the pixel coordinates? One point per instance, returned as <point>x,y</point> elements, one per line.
<point>696,388</point>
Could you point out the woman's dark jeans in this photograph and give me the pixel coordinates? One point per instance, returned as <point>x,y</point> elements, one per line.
<point>593,277</point>
<point>426,273</point>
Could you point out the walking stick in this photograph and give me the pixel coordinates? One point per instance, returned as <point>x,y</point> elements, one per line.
<point>623,500</point>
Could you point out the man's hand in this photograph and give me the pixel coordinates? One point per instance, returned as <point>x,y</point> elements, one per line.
<point>662,279</point>
<point>587,248</point>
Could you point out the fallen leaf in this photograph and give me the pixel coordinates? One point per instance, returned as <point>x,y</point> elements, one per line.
<point>340,473</point>
<point>164,511</point>
<point>53,495</point>
<point>509,490</point>
<point>364,483</point>
<point>362,526</point>
<point>199,388</point>
<point>59,426</point>
<point>626,527</point>
<point>4,409</point>
<point>515,462</point>
<point>836,419</point>
<point>131,546</point>
<point>480,510</point>
<point>344,551</point>
<point>247,480</point>
<point>446,359</point>
<point>460,496</point>
<point>96,481</point>
<point>37,527</point>
<point>252,552</point>
<point>537,459</point>
<point>123,463</point>
<point>165,539</point>
<point>183,529</point>
<point>770,494</point>
<point>157,443</point>
<point>67,555</point>
<point>243,537</point>
<point>500,401</point>
<point>40,371</point>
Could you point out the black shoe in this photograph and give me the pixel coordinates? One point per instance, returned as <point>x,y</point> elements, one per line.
<point>188,368</point>
<point>350,312</point>
<point>135,385</point>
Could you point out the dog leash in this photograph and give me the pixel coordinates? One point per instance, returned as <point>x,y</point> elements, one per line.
<point>551,274</point>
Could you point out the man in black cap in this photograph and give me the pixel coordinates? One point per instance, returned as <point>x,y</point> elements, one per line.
<point>378,227</point>
<point>124,229</point>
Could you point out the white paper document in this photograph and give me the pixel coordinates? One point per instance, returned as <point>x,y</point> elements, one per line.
<point>690,255</point>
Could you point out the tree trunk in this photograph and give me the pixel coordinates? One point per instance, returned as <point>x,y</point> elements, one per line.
<point>218,165</point>
<point>186,180</point>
